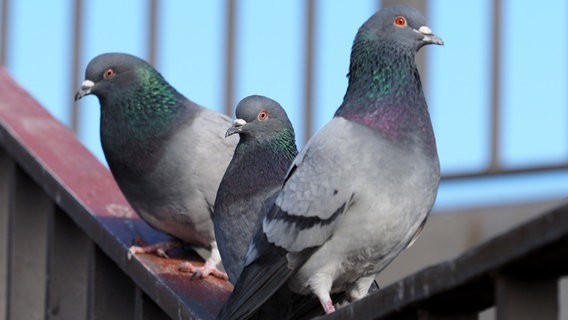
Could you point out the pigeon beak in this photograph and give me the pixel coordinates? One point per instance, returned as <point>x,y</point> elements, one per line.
<point>429,36</point>
<point>86,87</point>
<point>236,127</point>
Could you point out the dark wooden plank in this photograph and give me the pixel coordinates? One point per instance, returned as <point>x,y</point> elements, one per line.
<point>30,209</point>
<point>146,308</point>
<point>425,315</point>
<point>86,191</point>
<point>112,292</point>
<point>526,299</point>
<point>69,260</point>
<point>7,167</point>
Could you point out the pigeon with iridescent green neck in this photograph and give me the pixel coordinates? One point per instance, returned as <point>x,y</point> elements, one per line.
<point>360,190</point>
<point>262,157</point>
<point>166,153</point>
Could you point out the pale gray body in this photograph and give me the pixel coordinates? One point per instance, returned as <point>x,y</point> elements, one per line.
<point>361,189</point>
<point>177,196</point>
<point>383,211</point>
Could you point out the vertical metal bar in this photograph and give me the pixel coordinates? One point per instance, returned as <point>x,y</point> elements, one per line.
<point>29,216</point>
<point>230,33</point>
<point>494,161</point>
<point>68,269</point>
<point>524,300</point>
<point>7,168</point>
<point>309,43</point>
<point>112,294</point>
<point>76,56</point>
<point>4,32</point>
<point>152,31</point>
<point>146,308</point>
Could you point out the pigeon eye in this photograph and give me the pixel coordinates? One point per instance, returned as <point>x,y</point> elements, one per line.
<point>109,73</point>
<point>400,21</point>
<point>263,115</point>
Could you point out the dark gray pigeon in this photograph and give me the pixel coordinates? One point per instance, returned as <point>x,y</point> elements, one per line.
<point>166,153</point>
<point>262,157</point>
<point>361,189</point>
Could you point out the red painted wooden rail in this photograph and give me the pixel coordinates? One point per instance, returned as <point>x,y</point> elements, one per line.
<point>66,228</point>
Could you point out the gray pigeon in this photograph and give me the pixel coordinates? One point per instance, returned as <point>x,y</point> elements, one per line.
<point>166,153</point>
<point>262,157</point>
<point>362,187</point>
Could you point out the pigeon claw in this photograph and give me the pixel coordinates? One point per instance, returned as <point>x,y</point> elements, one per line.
<point>162,253</point>
<point>203,272</point>
<point>159,248</point>
<point>328,306</point>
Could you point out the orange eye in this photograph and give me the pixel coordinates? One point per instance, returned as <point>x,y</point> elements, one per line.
<point>263,115</point>
<point>109,73</point>
<point>400,21</point>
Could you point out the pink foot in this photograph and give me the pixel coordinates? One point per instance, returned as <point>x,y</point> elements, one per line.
<point>328,306</point>
<point>159,248</point>
<point>203,272</point>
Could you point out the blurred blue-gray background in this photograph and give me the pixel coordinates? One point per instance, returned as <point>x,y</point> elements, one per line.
<point>497,90</point>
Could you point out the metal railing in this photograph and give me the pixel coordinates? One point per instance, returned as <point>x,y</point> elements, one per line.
<point>65,230</point>
<point>494,165</point>
<point>308,84</point>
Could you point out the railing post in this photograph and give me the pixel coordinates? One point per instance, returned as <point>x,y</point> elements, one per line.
<point>112,291</point>
<point>229,57</point>
<point>526,299</point>
<point>70,252</point>
<point>146,308</point>
<point>29,214</point>
<point>309,57</point>
<point>6,170</point>
<point>426,315</point>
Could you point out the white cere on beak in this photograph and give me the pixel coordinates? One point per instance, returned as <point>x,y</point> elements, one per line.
<point>239,123</point>
<point>87,84</point>
<point>425,30</point>
<point>428,35</point>
<point>236,127</point>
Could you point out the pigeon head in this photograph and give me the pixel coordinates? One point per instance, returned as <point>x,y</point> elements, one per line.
<point>110,71</point>
<point>385,91</point>
<point>402,25</point>
<point>130,89</point>
<point>135,100</point>
<point>123,78</point>
<point>382,65</point>
<point>260,118</point>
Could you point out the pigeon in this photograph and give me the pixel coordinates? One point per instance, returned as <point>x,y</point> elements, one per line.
<point>166,153</point>
<point>265,151</point>
<point>361,189</point>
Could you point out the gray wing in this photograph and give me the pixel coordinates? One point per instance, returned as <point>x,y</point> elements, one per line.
<point>213,149</point>
<point>200,154</point>
<point>316,192</point>
<point>311,203</point>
